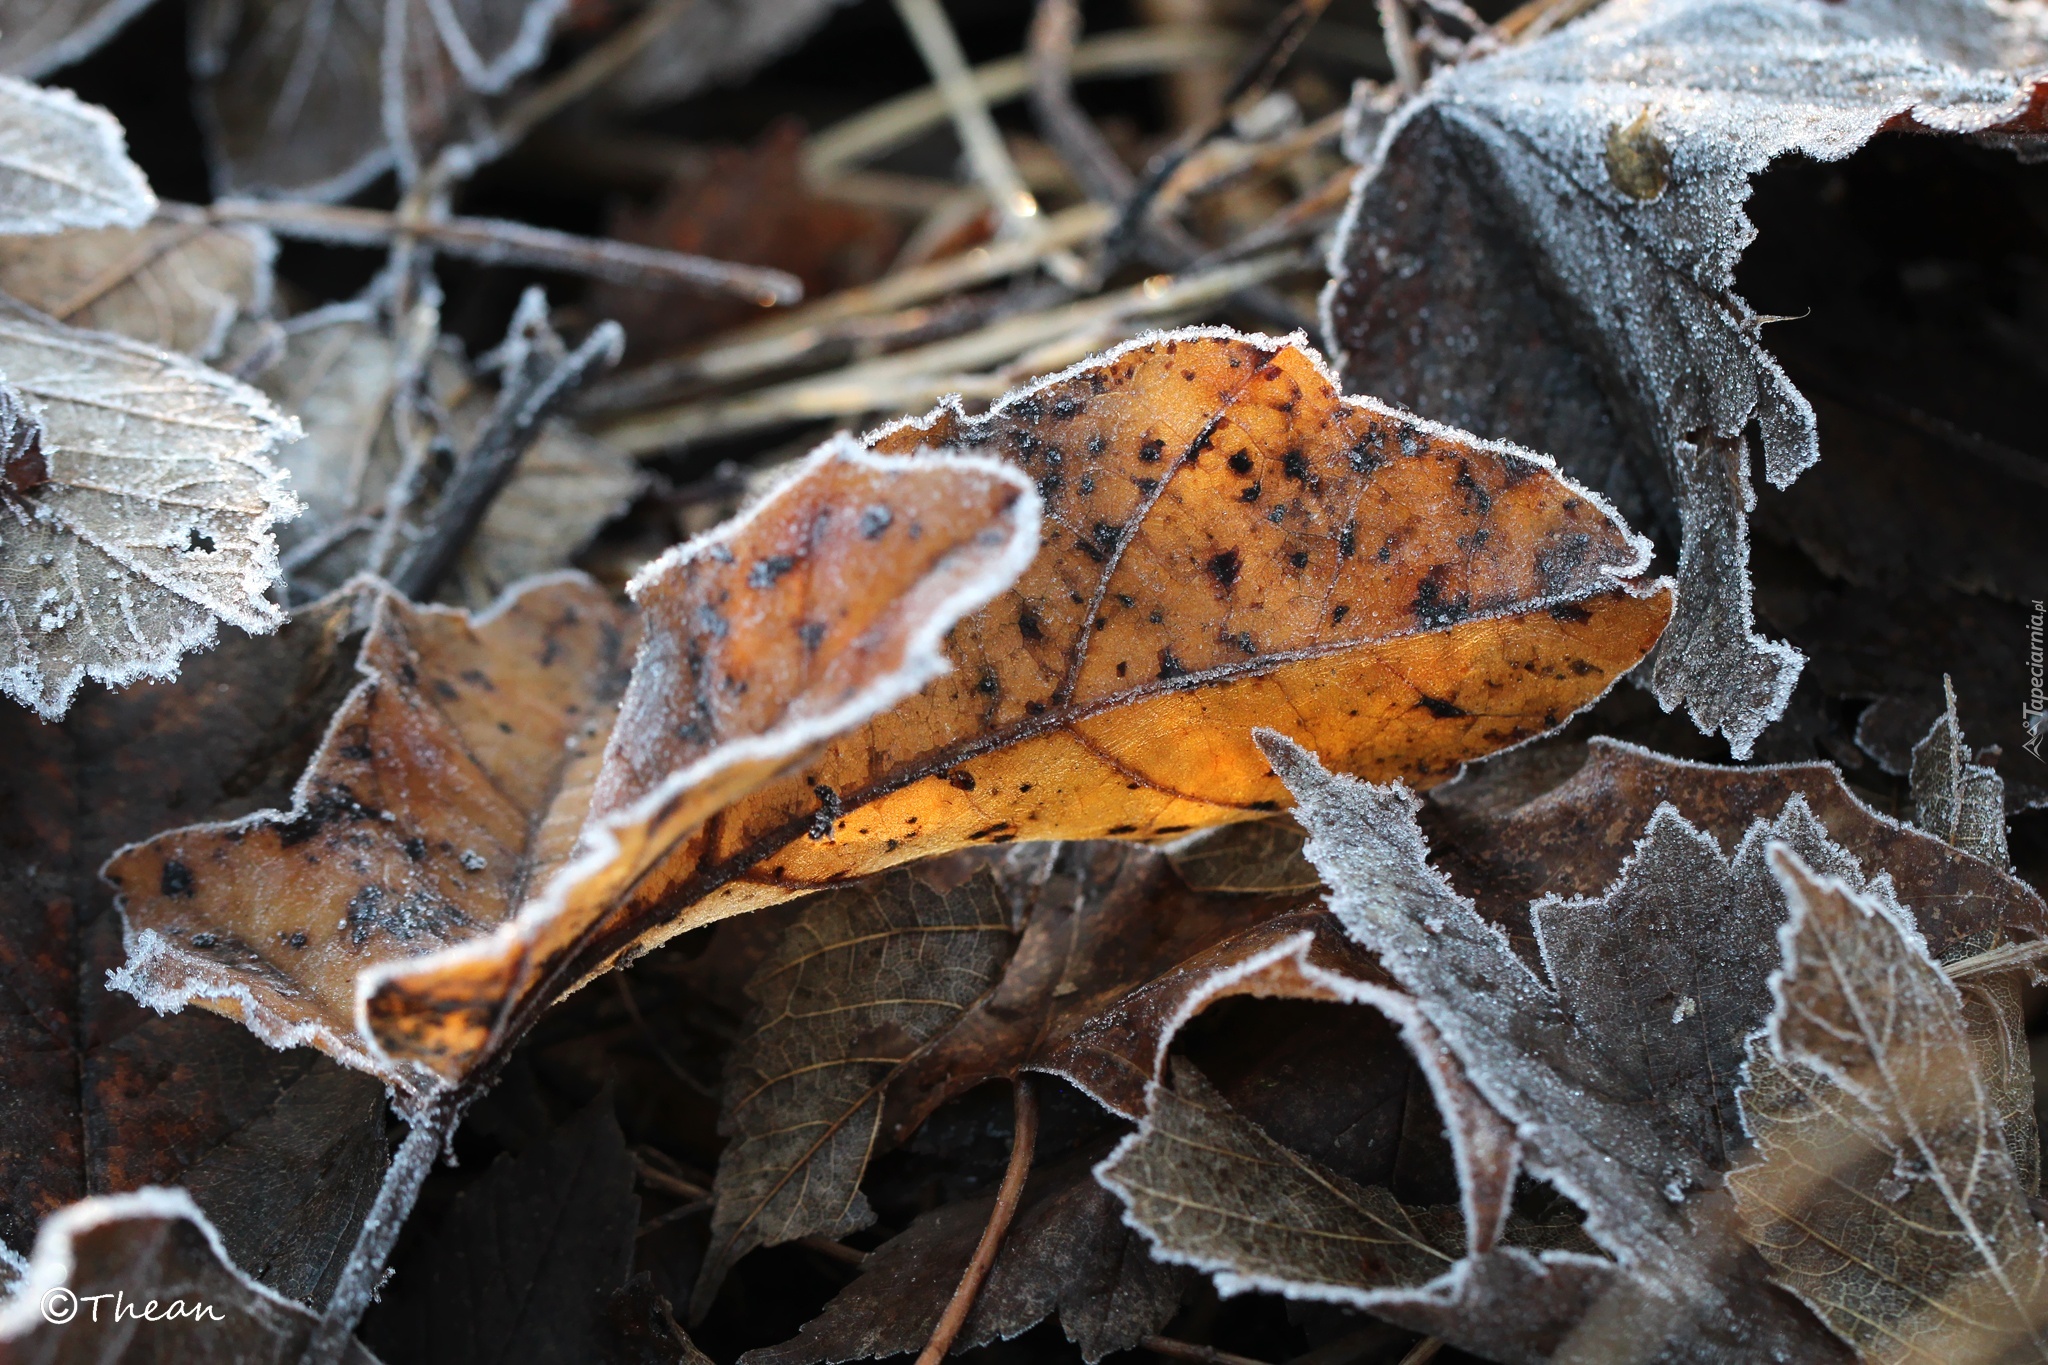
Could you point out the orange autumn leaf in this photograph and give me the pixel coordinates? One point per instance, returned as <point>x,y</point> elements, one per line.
<point>1227,542</point>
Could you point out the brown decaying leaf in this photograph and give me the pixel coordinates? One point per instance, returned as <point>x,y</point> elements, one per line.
<point>1067,1253</point>
<point>865,979</point>
<point>485,732</point>
<point>173,283</point>
<point>1577,201</point>
<point>152,1247</point>
<point>1882,1193</point>
<point>314,99</point>
<point>155,521</point>
<point>64,164</point>
<point>1649,1196</point>
<point>757,648</point>
<point>99,1095</point>
<point>1257,855</point>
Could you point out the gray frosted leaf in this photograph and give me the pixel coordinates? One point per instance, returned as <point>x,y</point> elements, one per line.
<point>1954,799</point>
<point>1650,1197</point>
<point>314,98</point>
<point>176,284</point>
<point>1542,247</point>
<point>862,980</point>
<point>1882,1193</point>
<point>64,164</point>
<point>154,524</point>
<point>39,36</point>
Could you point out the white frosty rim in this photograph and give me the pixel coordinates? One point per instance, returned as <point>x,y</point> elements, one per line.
<point>924,660</point>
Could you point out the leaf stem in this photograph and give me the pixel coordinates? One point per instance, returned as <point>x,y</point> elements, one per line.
<point>431,1129</point>
<point>1023,1143</point>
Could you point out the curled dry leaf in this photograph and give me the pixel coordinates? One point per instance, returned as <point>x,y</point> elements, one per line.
<point>149,1246</point>
<point>313,100</point>
<point>1067,1253</point>
<point>1882,1193</point>
<point>1577,201</point>
<point>174,284</point>
<point>64,164</point>
<point>154,523</point>
<point>747,668</point>
<point>1227,541</point>
<point>283,1149</point>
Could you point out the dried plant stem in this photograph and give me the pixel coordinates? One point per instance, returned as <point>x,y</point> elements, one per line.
<point>1055,29</point>
<point>1252,159</point>
<point>1423,1351</point>
<point>1399,33</point>
<point>498,242</point>
<point>913,377</point>
<point>979,137</point>
<point>831,1250</point>
<point>431,1128</point>
<point>887,126</point>
<point>1188,1350</point>
<point>2004,957</point>
<point>585,75</point>
<point>489,464</point>
<point>1023,1143</point>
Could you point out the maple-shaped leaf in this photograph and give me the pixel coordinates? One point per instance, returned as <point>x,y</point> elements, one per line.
<point>175,283</point>
<point>148,521</point>
<point>1881,1192</point>
<point>148,1252</point>
<point>313,100</point>
<point>1635,1150</point>
<point>284,1150</point>
<point>1576,202</point>
<point>457,802</point>
<point>64,164</point>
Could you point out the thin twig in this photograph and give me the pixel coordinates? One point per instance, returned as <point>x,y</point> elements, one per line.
<point>889,125</point>
<point>1401,50</point>
<point>1254,77</point>
<point>431,1129</point>
<point>2004,957</point>
<point>583,76</point>
<point>1023,1143</point>
<point>987,156</point>
<point>1423,1351</point>
<point>533,392</point>
<point>675,1067</point>
<point>1055,29</point>
<point>652,1174</point>
<point>831,1250</point>
<point>1188,1350</point>
<point>495,241</point>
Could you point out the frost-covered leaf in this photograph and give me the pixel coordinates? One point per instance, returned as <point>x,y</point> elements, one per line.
<point>283,1149</point>
<point>485,732</point>
<point>1542,248</point>
<point>1882,1193</point>
<point>39,36</point>
<point>155,521</point>
<point>453,786</point>
<point>867,977</point>
<point>151,1245</point>
<point>1650,1196</point>
<point>1067,1253</point>
<point>64,164</point>
<point>174,284</point>
<point>717,44</point>
<point>314,98</point>
<point>1956,800</point>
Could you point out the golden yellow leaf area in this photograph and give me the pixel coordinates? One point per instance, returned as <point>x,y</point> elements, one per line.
<point>1226,542</point>
<point>449,856</point>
